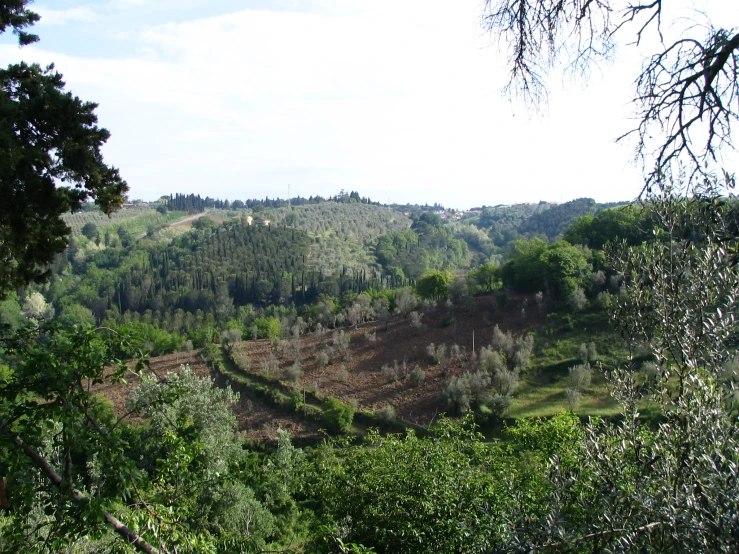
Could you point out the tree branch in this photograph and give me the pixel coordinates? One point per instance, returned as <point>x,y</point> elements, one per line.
<point>125,532</point>
<point>599,535</point>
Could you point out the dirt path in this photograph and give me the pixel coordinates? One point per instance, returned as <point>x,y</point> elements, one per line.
<point>180,221</point>
<point>187,219</point>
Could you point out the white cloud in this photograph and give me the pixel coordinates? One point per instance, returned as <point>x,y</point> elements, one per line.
<point>390,98</point>
<point>63,17</point>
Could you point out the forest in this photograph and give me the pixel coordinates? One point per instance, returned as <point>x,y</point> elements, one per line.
<point>334,375</point>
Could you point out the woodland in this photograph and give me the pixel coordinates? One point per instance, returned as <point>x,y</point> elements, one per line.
<point>334,375</point>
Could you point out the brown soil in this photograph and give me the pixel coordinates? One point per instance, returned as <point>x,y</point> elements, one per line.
<point>360,379</point>
<point>188,221</point>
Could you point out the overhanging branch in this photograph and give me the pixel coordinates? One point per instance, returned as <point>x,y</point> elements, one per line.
<point>119,527</point>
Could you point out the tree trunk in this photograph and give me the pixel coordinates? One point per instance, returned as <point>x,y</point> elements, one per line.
<point>3,495</point>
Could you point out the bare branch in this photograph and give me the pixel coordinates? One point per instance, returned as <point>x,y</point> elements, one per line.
<point>687,95</point>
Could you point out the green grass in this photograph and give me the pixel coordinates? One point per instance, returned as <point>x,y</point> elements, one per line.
<point>136,220</point>
<point>542,391</point>
<point>140,224</point>
<point>78,220</point>
<point>539,396</point>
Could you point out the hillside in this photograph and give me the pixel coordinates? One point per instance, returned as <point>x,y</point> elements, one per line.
<point>504,223</point>
<point>264,372</point>
<point>342,232</point>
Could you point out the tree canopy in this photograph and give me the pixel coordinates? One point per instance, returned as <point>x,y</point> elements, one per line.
<point>15,14</point>
<point>51,161</point>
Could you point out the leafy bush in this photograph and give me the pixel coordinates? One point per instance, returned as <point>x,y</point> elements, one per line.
<point>417,376</point>
<point>270,364</point>
<point>242,360</point>
<point>389,372</point>
<point>461,392</point>
<point>293,373</point>
<point>577,300</point>
<point>580,376</point>
<point>337,415</point>
<point>387,413</point>
<point>573,397</point>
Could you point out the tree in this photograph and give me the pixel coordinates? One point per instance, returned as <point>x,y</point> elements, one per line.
<point>686,96</point>
<point>77,474</point>
<point>338,416</point>
<point>486,277</point>
<point>412,494</point>
<point>558,267</point>
<point>11,312</point>
<point>671,486</point>
<point>75,314</point>
<point>434,285</point>
<point>90,230</point>
<point>631,223</point>
<point>191,446</point>
<point>36,308</point>
<point>48,420</point>
<point>14,14</point>
<point>48,136</point>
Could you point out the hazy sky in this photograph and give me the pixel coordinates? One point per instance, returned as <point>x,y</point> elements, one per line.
<point>397,99</point>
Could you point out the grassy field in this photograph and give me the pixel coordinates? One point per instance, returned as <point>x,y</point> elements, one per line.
<point>542,391</point>
<point>136,220</point>
<point>78,220</point>
<point>140,224</point>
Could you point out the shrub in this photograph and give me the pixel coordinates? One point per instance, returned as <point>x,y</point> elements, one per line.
<point>497,405</point>
<point>540,301</point>
<point>592,352</point>
<point>294,374</point>
<point>460,392</point>
<point>577,300</point>
<point>573,399</point>
<point>505,381</point>
<point>270,364</point>
<point>603,299</point>
<point>387,414</point>
<point>490,360</point>
<point>580,376</point>
<point>503,342</point>
<point>417,375</point>
<point>242,360</point>
<point>390,372</point>
<point>337,415</point>
<point>323,358</point>
<point>231,336</point>
<point>458,353</point>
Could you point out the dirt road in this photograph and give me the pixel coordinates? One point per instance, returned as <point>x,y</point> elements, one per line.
<point>180,221</point>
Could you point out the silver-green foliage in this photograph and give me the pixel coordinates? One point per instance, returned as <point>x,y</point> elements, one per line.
<point>185,398</point>
<point>674,486</point>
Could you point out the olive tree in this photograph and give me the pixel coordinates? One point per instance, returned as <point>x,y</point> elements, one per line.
<point>671,486</point>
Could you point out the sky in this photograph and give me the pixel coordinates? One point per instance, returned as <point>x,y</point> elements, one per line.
<point>399,100</point>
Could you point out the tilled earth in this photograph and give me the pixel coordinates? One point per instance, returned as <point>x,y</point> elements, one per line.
<point>358,379</point>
